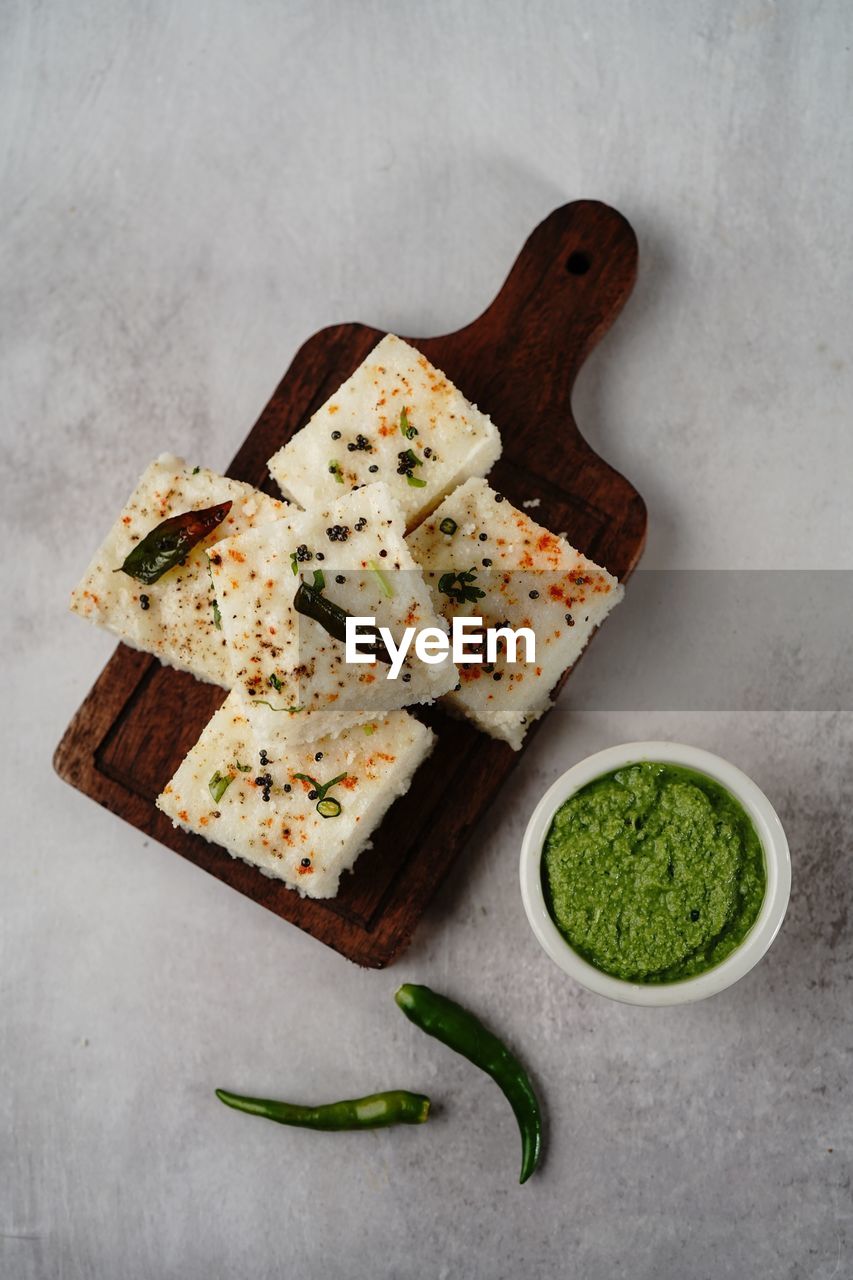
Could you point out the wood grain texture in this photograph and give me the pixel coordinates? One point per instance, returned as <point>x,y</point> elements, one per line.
<point>518,362</point>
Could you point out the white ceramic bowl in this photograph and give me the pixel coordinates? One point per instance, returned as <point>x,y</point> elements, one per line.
<point>776,857</point>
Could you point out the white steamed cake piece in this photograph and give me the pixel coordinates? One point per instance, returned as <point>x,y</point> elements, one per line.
<point>179,624</point>
<point>288,665</point>
<point>285,836</point>
<point>531,578</point>
<point>357,436</point>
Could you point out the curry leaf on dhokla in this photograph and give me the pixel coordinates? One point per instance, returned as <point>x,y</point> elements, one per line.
<point>311,603</point>
<point>171,542</point>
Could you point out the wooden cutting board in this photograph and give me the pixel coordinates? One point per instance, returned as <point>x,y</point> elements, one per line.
<point>518,362</point>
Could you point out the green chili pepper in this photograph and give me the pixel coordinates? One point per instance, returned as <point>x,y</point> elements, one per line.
<point>320,787</point>
<point>170,542</point>
<point>387,589</point>
<point>460,1030</point>
<point>219,784</point>
<point>217,616</point>
<point>395,1106</point>
<point>405,426</point>
<point>327,806</point>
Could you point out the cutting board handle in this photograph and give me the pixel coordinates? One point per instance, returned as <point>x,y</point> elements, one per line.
<point>565,289</point>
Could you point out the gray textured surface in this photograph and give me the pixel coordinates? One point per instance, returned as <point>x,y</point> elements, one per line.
<point>188,192</point>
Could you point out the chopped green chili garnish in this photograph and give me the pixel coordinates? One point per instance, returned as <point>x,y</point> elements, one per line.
<point>219,784</point>
<point>196,470</point>
<point>458,586</point>
<point>275,682</point>
<point>319,580</point>
<point>387,589</point>
<point>327,806</point>
<point>217,616</point>
<point>335,469</point>
<point>293,563</point>
<point>330,808</point>
<point>405,426</point>
<point>334,782</point>
<point>171,542</point>
<point>320,787</point>
<point>244,768</point>
<point>414,461</point>
<point>448,526</point>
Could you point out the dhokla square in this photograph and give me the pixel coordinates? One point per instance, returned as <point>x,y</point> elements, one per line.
<point>396,419</point>
<point>149,581</point>
<point>301,815</point>
<point>284,594</point>
<point>484,558</point>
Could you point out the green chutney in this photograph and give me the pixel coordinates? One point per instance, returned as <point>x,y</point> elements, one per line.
<point>653,873</point>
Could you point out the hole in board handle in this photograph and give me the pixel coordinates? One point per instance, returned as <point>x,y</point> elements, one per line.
<point>578,263</point>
